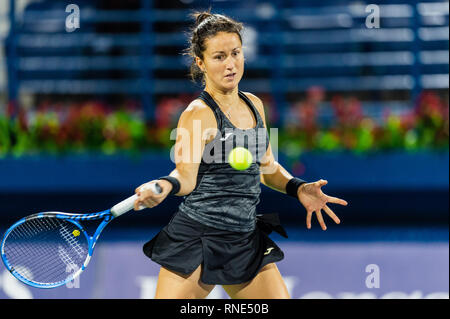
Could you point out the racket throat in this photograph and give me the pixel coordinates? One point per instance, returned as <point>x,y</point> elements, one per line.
<point>86,262</point>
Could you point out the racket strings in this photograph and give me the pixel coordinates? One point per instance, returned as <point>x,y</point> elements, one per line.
<point>46,250</point>
<point>46,253</point>
<point>69,237</point>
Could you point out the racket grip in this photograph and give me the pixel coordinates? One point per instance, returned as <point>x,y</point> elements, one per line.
<point>128,204</point>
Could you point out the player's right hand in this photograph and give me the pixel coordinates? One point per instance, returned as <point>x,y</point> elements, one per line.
<point>147,198</point>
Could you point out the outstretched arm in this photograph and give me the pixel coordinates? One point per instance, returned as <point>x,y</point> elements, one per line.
<point>310,195</point>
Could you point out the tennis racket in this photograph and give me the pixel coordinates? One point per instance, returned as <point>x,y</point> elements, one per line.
<point>49,249</point>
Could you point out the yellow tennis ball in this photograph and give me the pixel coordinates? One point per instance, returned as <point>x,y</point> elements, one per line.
<point>76,233</point>
<point>240,158</point>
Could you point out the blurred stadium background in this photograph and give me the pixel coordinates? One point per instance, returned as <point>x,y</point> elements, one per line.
<point>86,115</point>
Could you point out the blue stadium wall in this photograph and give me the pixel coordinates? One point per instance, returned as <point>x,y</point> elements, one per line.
<point>380,188</point>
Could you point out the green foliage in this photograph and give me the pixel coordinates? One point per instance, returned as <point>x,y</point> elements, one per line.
<point>92,127</point>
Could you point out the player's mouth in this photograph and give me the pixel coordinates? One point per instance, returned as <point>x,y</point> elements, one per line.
<point>230,76</point>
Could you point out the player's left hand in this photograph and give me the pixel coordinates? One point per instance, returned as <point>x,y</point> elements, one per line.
<point>314,201</point>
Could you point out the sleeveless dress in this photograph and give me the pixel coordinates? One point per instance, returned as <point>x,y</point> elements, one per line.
<point>224,197</point>
<point>216,225</point>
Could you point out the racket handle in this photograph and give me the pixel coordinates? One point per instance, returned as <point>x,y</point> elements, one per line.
<point>128,204</point>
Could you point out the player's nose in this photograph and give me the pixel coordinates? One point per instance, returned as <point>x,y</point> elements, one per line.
<point>229,64</point>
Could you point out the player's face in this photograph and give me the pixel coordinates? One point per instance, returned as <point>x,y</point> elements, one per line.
<point>223,61</point>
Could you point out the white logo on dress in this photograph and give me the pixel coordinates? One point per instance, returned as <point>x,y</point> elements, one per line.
<point>227,135</point>
<point>268,250</point>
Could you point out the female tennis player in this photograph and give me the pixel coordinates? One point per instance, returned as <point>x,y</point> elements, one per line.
<point>215,237</point>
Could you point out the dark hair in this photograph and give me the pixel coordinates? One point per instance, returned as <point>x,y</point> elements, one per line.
<point>206,26</point>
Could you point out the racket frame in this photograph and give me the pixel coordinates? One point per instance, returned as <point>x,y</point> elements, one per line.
<point>107,215</point>
<point>72,218</point>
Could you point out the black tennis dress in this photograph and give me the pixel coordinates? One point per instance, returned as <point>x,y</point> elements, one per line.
<point>216,225</point>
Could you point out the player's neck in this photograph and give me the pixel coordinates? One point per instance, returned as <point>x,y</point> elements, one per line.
<point>225,98</point>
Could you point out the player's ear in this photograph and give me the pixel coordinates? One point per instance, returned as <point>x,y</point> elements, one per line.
<point>200,64</point>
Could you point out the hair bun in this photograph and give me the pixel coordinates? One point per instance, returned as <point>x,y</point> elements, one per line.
<point>202,16</point>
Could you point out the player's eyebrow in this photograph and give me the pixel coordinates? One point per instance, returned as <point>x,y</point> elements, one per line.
<point>224,51</point>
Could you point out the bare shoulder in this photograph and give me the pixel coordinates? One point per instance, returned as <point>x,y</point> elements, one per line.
<point>253,98</point>
<point>197,107</point>
<point>257,103</point>
<point>198,110</point>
